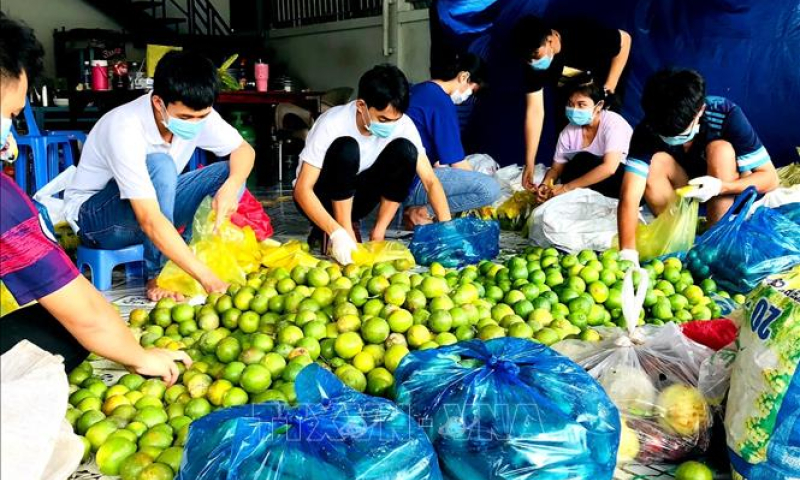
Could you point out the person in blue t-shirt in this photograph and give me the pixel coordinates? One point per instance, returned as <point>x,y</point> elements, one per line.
<point>689,138</point>
<point>433,109</point>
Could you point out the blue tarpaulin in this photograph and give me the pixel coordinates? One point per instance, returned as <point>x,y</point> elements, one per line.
<point>748,51</point>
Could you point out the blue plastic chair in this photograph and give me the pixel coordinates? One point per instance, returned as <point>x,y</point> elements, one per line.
<point>101,263</point>
<point>43,150</point>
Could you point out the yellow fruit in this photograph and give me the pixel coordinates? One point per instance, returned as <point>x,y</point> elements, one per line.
<point>112,453</point>
<point>683,409</point>
<point>628,444</point>
<point>113,402</point>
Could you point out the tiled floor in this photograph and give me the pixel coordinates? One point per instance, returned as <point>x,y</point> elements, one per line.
<point>289,224</point>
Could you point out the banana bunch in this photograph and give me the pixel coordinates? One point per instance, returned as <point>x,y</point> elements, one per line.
<point>225,78</point>
<point>789,175</point>
<point>512,213</point>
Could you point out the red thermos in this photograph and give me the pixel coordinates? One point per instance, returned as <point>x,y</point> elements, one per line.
<point>99,75</point>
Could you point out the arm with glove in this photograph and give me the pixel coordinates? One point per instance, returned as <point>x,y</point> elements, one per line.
<point>764,178</point>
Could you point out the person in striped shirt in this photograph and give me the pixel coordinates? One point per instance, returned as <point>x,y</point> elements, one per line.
<point>61,312</point>
<point>689,138</point>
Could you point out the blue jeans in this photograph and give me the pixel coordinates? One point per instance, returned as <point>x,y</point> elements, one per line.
<point>465,190</point>
<point>106,221</point>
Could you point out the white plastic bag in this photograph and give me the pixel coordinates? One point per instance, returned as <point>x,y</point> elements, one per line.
<point>577,220</point>
<point>480,162</point>
<point>33,402</point>
<point>48,195</point>
<point>651,374</point>
<point>777,198</point>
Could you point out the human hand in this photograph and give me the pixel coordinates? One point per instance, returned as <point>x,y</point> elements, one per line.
<point>377,234</point>
<point>543,193</point>
<point>212,283</point>
<point>630,255</point>
<point>342,246</point>
<point>225,203</point>
<point>527,178</point>
<point>159,362</point>
<point>707,187</point>
<point>560,190</point>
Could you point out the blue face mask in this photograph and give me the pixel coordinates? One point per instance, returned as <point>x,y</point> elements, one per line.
<point>678,140</point>
<point>580,117</point>
<point>380,130</point>
<point>542,64</point>
<point>184,129</point>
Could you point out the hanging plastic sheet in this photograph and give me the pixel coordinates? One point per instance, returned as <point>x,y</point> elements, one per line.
<point>733,43</point>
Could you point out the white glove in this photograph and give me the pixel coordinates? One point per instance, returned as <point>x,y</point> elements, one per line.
<point>707,188</point>
<point>342,246</point>
<point>630,255</point>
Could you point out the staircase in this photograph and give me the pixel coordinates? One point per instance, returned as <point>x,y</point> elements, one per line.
<point>165,20</point>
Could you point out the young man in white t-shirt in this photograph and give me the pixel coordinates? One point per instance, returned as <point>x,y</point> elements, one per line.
<point>361,155</point>
<point>129,188</point>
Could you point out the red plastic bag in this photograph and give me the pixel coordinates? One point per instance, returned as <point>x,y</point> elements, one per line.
<point>714,334</point>
<point>251,214</point>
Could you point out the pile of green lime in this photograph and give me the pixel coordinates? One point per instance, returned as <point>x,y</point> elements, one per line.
<point>249,344</point>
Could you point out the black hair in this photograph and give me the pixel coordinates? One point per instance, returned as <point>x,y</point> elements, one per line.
<point>20,51</point>
<point>186,77</point>
<point>465,62</point>
<point>529,34</point>
<point>671,100</point>
<point>584,84</point>
<point>382,86</point>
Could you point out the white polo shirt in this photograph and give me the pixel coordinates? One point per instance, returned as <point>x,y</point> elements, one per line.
<point>117,149</point>
<point>341,122</point>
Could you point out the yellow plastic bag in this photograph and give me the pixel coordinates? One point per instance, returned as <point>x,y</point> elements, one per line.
<point>672,231</point>
<point>288,255</point>
<point>370,253</point>
<point>8,303</point>
<point>231,253</point>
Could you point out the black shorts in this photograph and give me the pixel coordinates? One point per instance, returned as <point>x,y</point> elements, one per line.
<point>693,162</point>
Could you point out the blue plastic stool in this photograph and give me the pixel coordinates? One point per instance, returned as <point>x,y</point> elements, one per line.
<point>102,262</point>
<point>42,151</point>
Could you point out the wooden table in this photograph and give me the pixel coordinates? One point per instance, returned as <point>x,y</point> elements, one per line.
<point>108,99</point>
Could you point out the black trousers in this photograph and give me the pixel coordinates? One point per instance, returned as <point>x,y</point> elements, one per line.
<point>390,177</point>
<point>582,163</point>
<point>38,326</point>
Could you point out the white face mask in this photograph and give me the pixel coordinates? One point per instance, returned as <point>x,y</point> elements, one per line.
<point>460,97</point>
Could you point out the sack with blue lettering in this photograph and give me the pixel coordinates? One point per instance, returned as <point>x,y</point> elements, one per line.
<point>763,413</point>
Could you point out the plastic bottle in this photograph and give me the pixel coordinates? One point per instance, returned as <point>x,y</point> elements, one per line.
<point>87,75</point>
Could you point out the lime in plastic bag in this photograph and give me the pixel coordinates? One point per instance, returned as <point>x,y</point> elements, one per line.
<point>335,433</point>
<point>231,253</point>
<point>673,231</point>
<point>510,408</point>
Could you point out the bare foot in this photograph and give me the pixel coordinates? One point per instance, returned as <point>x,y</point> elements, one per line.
<point>414,216</point>
<point>156,293</point>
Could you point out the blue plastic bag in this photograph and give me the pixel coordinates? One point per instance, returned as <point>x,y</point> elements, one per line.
<point>460,242</point>
<point>335,434</point>
<point>510,409</point>
<point>739,252</point>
